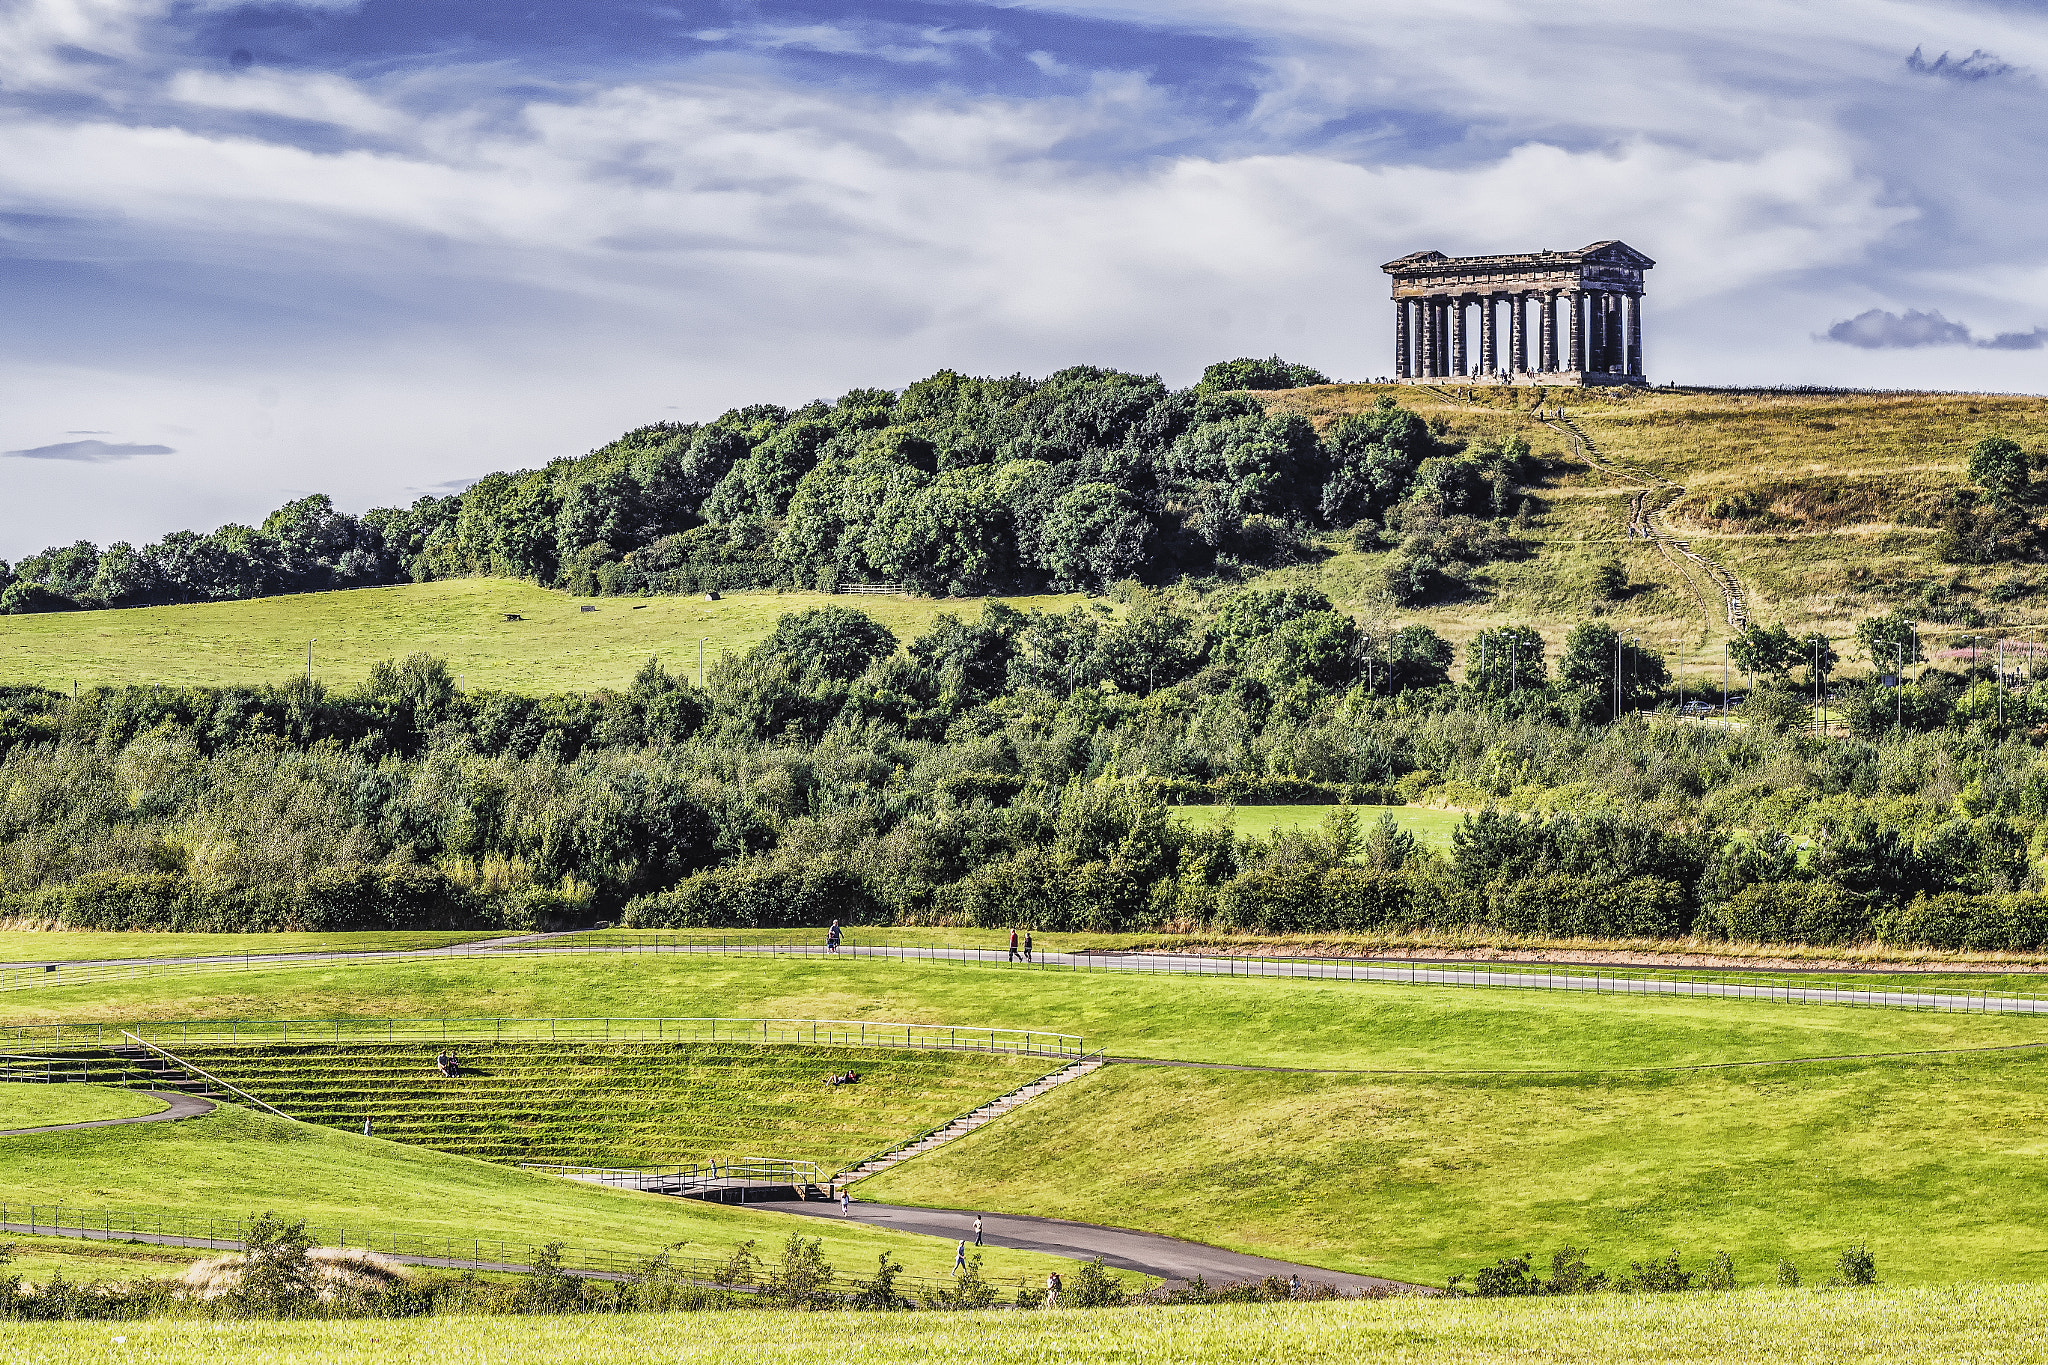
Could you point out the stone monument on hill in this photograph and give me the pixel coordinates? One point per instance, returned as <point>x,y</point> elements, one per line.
<point>1587,308</point>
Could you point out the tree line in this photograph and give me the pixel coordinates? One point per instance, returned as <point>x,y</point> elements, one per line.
<point>958,486</point>
<point>1070,770</point>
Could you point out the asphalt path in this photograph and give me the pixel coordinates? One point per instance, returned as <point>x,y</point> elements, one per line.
<point>1568,978</point>
<point>1147,1253</point>
<point>179,1106</point>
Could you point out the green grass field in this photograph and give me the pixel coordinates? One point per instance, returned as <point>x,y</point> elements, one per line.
<point>1420,1178</point>
<point>234,1163</point>
<point>34,1104</point>
<point>624,1104</point>
<point>557,647</point>
<point>1883,1326</point>
<point>74,945</point>
<point>1267,1021</point>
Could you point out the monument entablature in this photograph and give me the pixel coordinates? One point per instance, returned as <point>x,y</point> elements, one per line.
<point>1587,326</point>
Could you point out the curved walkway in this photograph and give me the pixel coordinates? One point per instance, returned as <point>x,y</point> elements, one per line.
<point>178,1106</point>
<point>1417,973</point>
<point>1147,1253</point>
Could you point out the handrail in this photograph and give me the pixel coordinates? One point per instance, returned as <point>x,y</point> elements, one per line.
<point>231,1089</point>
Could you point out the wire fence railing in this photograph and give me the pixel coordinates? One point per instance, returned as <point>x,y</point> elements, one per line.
<point>713,1174</point>
<point>855,1033</point>
<point>513,1255</point>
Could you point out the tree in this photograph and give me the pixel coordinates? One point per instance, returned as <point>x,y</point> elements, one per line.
<point>278,1277</point>
<point>1413,656</point>
<point>1817,654</point>
<point>1095,535</point>
<point>1593,653</point>
<point>1888,641</point>
<point>1248,617</point>
<point>970,660</point>
<point>836,641</point>
<point>1765,652</point>
<point>1500,660</point>
<point>1271,373</point>
<point>1999,467</point>
<point>1610,580</point>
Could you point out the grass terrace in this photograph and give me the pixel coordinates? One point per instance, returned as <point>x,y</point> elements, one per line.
<point>624,1104</point>
<point>35,1104</point>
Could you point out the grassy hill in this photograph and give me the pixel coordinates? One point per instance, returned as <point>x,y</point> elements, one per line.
<point>1821,505</point>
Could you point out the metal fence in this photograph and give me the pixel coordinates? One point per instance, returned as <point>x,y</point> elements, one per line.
<point>713,1173</point>
<point>808,1032</point>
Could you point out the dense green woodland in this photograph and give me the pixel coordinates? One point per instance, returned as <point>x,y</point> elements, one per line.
<point>1038,770</point>
<point>957,485</point>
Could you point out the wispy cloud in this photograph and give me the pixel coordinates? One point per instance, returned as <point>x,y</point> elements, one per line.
<point>1978,66</point>
<point>88,452</point>
<point>1879,330</point>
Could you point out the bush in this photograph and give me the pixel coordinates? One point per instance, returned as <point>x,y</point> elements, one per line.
<point>1788,1274</point>
<point>1094,1287</point>
<point>1855,1266</point>
<point>969,1290</point>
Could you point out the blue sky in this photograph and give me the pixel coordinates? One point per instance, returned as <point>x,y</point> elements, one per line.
<point>376,247</point>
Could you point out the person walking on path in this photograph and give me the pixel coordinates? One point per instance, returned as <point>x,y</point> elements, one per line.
<point>1013,945</point>
<point>1052,1289</point>
<point>366,1127</point>
<point>977,1229</point>
<point>832,938</point>
<point>960,1258</point>
<point>1027,947</point>
<point>845,1204</point>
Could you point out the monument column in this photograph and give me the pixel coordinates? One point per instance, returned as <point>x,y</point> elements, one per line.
<point>1547,341</point>
<point>1458,366</point>
<point>1635,335</point>
<point>1489,346</point>
<point>1425,309</point>
<point>1518,332</point>
<point>1577,299</point>
<point>1401,338</point>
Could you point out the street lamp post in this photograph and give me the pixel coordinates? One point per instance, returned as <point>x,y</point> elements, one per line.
<point>309,657</point>
<point>1899,690</point>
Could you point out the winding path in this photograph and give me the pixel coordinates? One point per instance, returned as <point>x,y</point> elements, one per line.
<point>177,1106</point>
<point>1147,1253</point>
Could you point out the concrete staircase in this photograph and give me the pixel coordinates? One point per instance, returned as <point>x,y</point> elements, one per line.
<point>967,1123</point>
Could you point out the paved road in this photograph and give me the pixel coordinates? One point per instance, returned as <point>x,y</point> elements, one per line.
<point>1147,1253</point>
<point>180,1106</point>
<point>1564,978</point>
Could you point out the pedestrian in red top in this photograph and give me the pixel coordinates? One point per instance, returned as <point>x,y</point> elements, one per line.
<point>1013,945</point>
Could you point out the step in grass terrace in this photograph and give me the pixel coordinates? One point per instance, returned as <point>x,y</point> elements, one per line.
<point>622,1093</point>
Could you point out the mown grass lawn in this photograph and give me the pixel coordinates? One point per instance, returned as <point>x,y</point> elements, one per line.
<point>1432,827</point>
<point>1269,1021</point>
<point>26,1104</point>
<point>1883,1326</point>
<point>557,647</point>
<point>1938,1162</point>
<point>75,945</point>
<point>234,1163</point>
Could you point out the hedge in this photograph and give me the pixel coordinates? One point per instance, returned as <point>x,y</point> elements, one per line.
<point>406,896</point>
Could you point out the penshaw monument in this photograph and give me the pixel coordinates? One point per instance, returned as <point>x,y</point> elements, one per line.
<point>1573,317</point>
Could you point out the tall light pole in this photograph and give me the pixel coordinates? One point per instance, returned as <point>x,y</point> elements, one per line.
<point>1724,683</point>
<point>309,657</point>
<point>700,661</point>
<point>1899,690</point>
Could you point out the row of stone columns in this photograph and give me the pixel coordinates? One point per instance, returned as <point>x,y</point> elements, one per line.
<point>1604,335</point>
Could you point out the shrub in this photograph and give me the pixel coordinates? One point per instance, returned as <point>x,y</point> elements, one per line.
<point>970,1289</point>
<point>1788,1274</point>
<point>1656,1276</point>
<point>804,1279</point>
<point>880,1295</point>
<point>1094,1287</point>
<point>1855,1266</point>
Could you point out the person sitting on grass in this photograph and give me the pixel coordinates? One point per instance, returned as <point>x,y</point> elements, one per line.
<point>449,1066</point>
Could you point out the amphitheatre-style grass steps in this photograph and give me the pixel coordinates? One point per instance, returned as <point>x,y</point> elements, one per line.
<point>624,1104</point>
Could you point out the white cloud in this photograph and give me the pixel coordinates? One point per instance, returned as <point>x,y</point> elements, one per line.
<point>314,96</point>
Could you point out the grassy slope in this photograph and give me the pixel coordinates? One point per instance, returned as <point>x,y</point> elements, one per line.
<point>557,647</point>
<point>1422,1178</point>
<point>233,1163</point>
<point>1861,1327</point>
<point>626,1104</point>
<point>71,945</point>
<point>1242,1019</point>
<point>33,1105</point>
<point>1844,473</point>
